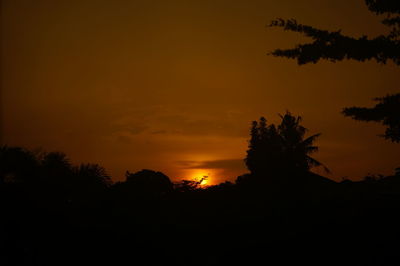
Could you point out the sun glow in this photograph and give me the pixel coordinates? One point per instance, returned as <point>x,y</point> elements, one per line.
<point>201,176</point>
<point>204,182</point>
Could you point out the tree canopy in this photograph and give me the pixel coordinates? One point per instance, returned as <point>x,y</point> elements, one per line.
<point>277,149</point>
<point>386,111</point>
<point>149,182</point>
<point>335,46</point>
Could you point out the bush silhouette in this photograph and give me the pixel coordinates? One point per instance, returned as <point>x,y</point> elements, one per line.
<point>149,182</point>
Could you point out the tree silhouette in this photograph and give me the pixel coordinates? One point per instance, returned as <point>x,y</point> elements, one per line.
<point>334,46</point>
<point>296,149</point>
<point>265,148</point>
<point>387,111</point>
<point>17,165</point>
<point>56,164</point>
<point>149,182</point>
<point>189,185</point>
<point>280,149</point>
<point>92,176</point>
<point>253,219</point>
<point>57,172</point>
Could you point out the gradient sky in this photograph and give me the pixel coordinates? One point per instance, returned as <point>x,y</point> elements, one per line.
<point>173,85</point>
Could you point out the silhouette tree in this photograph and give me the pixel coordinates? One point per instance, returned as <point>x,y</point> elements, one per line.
<point>56,164</point>
<point>280,149</point>
<point>57,171</point>
<point>387,111</point>
<point>296,149</point>
<point>265,148</point>
<point>17,165</point>
<point>189,185</point>
<point>334,46</point>
<point>149,182</point>
<point>92,175</point>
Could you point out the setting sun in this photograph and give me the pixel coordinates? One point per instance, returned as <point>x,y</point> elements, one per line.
<point>200,175</point>
<point>204,182</point>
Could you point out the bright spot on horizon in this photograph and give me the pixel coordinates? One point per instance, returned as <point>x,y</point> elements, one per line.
<point>204,182</point>
<point>201,175</point>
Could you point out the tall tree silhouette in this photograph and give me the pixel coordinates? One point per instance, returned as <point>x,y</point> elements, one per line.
<point>296,148</point>
<point>276,149</point>
<point>265,148</point>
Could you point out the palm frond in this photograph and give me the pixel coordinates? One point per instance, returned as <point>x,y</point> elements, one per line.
<point>314,163</point>
<point>311,149</point>
<point>310,140</point>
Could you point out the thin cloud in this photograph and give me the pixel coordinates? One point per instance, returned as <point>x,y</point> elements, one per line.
<point>231,164</point>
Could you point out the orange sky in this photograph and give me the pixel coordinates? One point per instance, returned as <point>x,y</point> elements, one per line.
<point>173,85</point>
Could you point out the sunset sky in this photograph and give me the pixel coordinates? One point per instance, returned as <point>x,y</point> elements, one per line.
<point>174,85</point>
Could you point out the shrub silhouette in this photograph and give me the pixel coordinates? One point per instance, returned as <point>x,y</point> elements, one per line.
<point>149,182</point>
<point>189,185</point>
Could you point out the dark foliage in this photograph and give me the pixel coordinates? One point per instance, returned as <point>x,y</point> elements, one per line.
<point>55,213</point>
<point>149,182</point>
<point>189,185</point>
<point>334,46</point>
<point>17,164</point>
<point>386,111</point>
<point>283,148</point>
<point>93,175</point>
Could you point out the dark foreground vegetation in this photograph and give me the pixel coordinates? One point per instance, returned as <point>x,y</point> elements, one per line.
<point>55,213</point>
